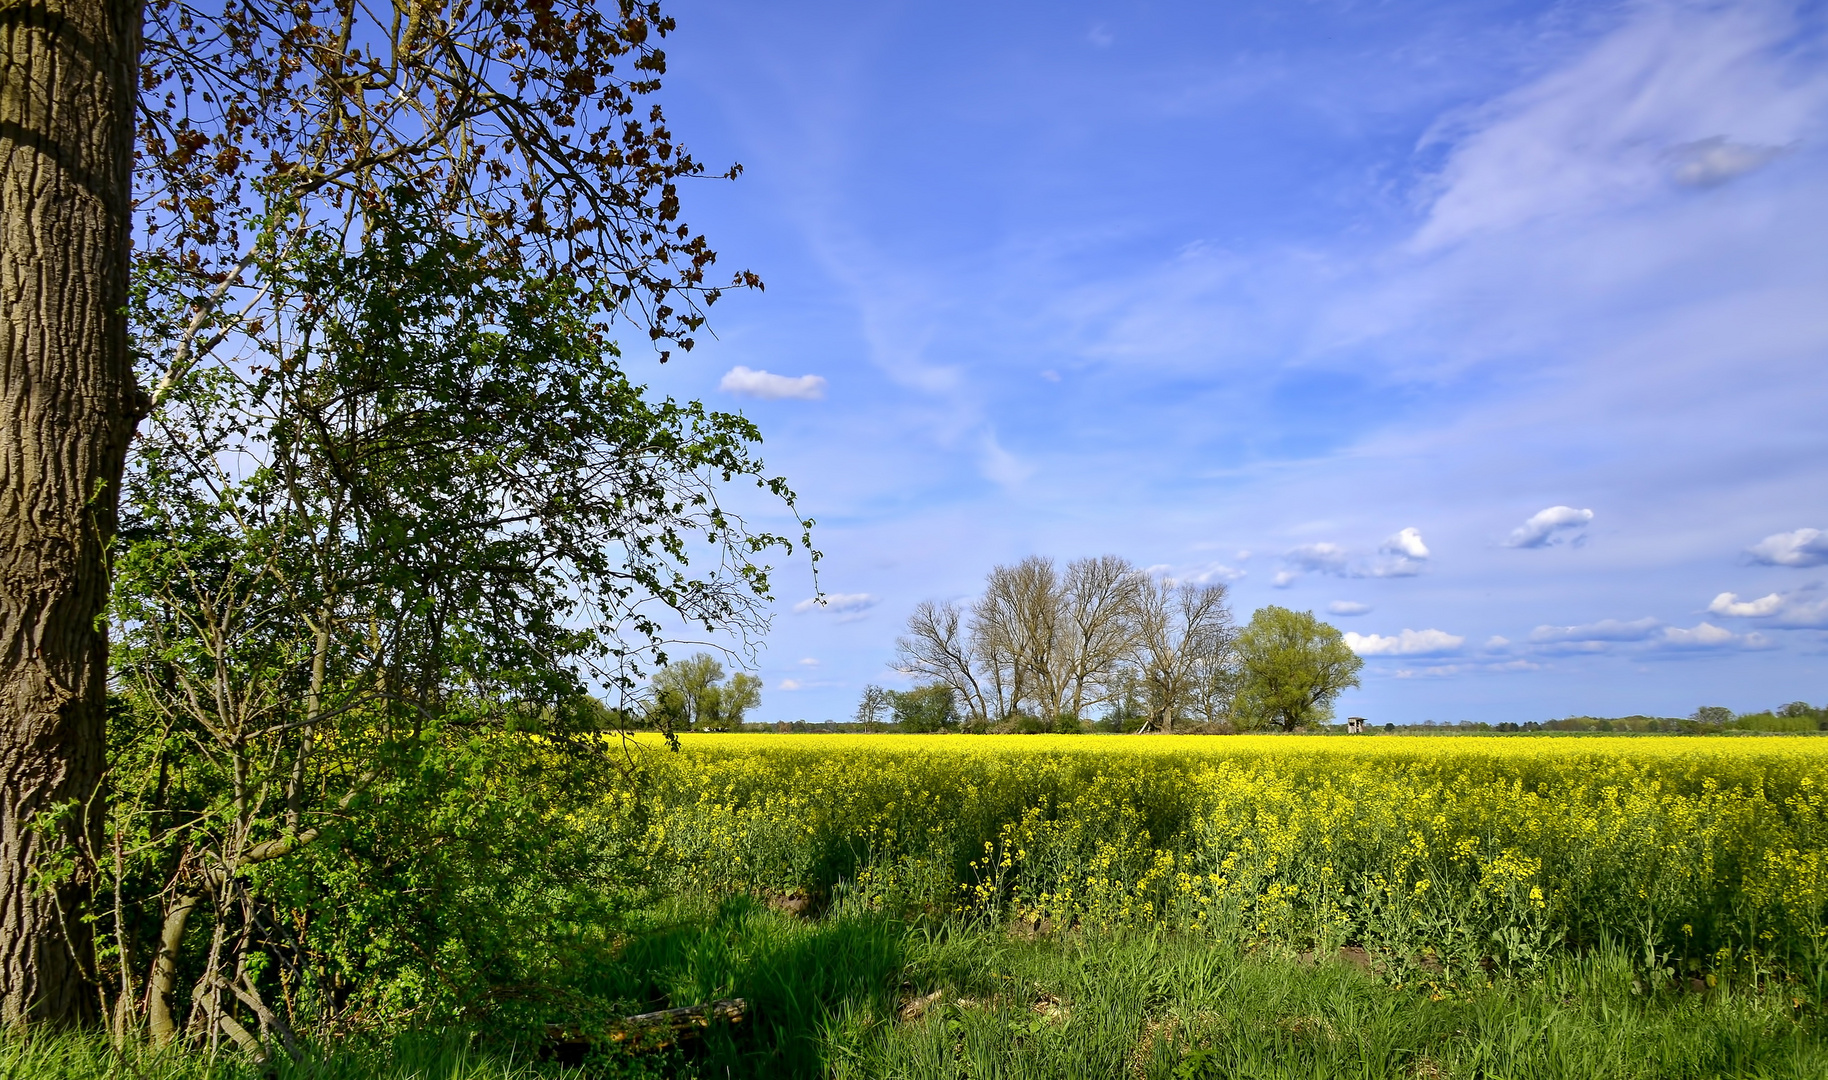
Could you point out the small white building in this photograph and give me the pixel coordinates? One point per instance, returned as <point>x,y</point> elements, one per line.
<point>1355,725</point>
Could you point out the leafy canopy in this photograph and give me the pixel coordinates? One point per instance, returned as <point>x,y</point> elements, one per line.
<point>1292,668</point>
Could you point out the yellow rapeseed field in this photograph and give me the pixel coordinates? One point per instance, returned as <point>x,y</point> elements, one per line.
<point>1493,850</point>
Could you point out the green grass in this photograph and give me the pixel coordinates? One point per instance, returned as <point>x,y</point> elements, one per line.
<point>410,1057</point>
<point>826,998</point>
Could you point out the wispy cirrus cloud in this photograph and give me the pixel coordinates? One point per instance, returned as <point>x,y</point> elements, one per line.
<point>1681,93</point>
<point>1710,162</point>
<point>849,607</point>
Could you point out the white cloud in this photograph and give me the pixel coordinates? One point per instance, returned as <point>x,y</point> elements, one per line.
<point>1283,579</point>
<point>1407,643</point>
<point>1541,529</point>
<point>1711,162</point>
<point>849,606</point>
<point>1497,642</point>
<point>1401,566</point>
<point>999,465</point>
<point>787,684</point>
<point>1198,574</point>
<point>1322,558</point>
<point>1704,636</point>
<point>809,661</point>
<point>1804,547</point>
<point>1691,93</point>
<point>1806,607</point>
<point>1605,630</point>
<point>1348,607</point>
<point>771,387</point>
<point>1406,553</point>
<point>1407,543</point>
<point>1729,604</point>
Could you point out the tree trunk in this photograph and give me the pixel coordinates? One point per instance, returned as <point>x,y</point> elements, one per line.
<point>68,404</point>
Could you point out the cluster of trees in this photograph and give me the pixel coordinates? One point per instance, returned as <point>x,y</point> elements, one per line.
<point>1794,716</point>
<point>922,710</point>
<point>691,695</point>
<point>1045,643</point>
<point>356,493</point>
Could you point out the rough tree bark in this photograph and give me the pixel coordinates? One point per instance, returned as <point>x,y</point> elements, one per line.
<point>67,408</point>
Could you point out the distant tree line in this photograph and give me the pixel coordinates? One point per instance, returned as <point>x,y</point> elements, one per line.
<point>1795,717</point>
<point>1044,647</point>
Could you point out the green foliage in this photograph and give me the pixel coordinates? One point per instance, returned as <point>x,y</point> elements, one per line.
<point>361,587</point>
<point>1292,668</point>
<point>925,709</point>
<point>690,695</point>
<point>856,996</point>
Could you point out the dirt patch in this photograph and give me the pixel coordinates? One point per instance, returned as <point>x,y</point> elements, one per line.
<point>1052,1007</point>
<point>916,1008</point>
<point>799,903</point>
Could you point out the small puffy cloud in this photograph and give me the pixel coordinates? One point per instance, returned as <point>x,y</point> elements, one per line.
<point>1321,558</point>
<point>1707,163</point>
<point>849,606</point>
<point>1407,543</point>
<point>1704,636</point>
<point>1729,604</point>
<point>1348,607</point>
<point>1406,554</point>
<point>787,684</point>
<point>1283,579</point>
<point>1803,608</point>
<point>1497,643</point>
<point>1606,630</point>
<point>1407,643</point>
<point>1804,547</point>
<point>809,661</point>
<point>1543,526</point>
<point>1403,555</point>
<point>771,387</point>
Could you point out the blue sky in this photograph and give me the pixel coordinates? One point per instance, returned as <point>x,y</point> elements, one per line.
<point>1494,333</point>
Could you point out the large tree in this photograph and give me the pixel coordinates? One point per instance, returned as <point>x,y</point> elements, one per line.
<point>1056,644</point>
<point>525,127</point>
<point>67,74</point>
<point>1292,667</point>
